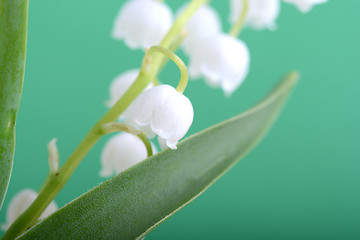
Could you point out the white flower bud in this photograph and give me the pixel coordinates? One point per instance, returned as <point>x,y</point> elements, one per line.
<point>305,6</point>
<point>223,61</point>
<point>203,23</point>
<point>121,152</point>
<point>20,202</point>
<point>164,112</point>
<point>142,23</point>
<point>260,14</point>
<point>53,156</point>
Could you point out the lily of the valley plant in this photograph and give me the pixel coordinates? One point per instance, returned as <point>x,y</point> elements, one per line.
<point>144,111</point>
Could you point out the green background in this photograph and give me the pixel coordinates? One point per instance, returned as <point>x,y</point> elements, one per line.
<point>301,182</point>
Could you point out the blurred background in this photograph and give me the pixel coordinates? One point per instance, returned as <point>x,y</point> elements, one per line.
<point>301,182</point>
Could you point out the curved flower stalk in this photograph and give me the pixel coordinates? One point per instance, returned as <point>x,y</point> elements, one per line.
<point>260,14</point>
<point>164,112</point>
<point>20,202</point>
<point>142,23</point>
<point>305,6</point>
<point>205,22</point>
<point>121,152</point>
<point>222,60</point>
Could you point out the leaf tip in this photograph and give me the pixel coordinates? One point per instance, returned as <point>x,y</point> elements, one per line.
<point>293,76</point>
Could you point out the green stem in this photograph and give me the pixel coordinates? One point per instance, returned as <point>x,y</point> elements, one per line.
<point>236,29</point>
<point>55,183</point>
<point>119,127</point>
<point>156,82</point>
<point>123,127</point>
<point>178,41</point>
<point>174,47</point>
<point>181,65</point>
<point>180,22</point>
<point>147,143</point>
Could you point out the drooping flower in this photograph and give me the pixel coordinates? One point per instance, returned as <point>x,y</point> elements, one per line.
<point>205,22</point>
<point>260,14</point>
<point>20,202</point>
<point>223,60</point>
<point>121,84</point>
<point>121,152</point>
<point>142,23</point>
<point>305,6</point>
<point>162,111</point>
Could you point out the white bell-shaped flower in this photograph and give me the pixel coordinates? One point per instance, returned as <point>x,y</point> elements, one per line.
<point>121,152</point>
<point>162,111</point>
<point>121,84</point>
<point>20,202</point>
<point>305,5</point>
<point>205,22</point>
<point>223,60</point>
<point>260,14</point>
<point>142,23</point>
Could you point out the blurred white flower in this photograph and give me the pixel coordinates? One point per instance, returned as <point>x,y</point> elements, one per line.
<point>142,23</point>
<point>162,111</point>
<point>203,23</point>
<point>260,14</point>
<point>121,84</point>
<point>305,5</point>
<point>20,202</point>
<point>223,60</point>
<point>121,152</point>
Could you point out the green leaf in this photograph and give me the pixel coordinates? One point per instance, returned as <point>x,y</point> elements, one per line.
<point>133,203</point>
<point>13,36</point>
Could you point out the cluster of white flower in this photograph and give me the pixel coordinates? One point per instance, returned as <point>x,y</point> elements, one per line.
<point>220,58</point>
